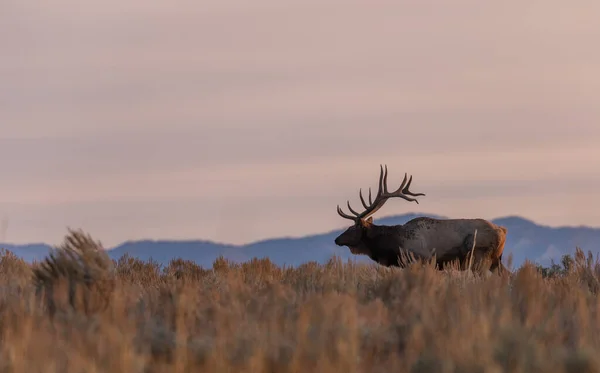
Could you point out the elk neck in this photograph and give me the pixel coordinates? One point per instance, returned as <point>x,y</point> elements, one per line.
<point>383,242</point>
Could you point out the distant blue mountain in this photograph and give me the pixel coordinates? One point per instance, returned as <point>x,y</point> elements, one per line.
<point>28,252</point>
<point>525,240</point>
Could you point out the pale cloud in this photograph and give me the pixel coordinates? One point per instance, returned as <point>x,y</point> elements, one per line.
<point>235,121</point>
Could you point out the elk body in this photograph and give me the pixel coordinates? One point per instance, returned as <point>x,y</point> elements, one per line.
<point>423,237</point>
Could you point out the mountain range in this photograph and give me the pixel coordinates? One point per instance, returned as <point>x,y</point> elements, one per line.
<point>525,240</point>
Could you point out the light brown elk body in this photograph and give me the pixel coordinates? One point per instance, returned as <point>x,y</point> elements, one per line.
<point>447,239</point>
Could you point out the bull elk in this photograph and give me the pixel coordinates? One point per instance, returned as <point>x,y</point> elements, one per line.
<point>448,239</point>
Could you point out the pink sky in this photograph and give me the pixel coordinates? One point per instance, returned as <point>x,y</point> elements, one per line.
<point>235,120</point>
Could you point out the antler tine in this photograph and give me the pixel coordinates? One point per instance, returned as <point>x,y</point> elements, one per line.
<point>382,196</point>
<point>352,210</point>
<point>385,191</point>
<point>344,215</point>
<point>403,191</point>
<point>375,205</point>
<point>381,192</point>
<point>362,200</point>
<point>401,185</point>
<point>408,192</point>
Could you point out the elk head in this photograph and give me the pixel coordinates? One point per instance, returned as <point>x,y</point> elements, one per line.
<point>356,236</point>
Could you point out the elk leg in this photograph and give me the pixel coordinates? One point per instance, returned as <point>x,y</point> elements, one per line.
<point>499,267</point>
<point>457,254</point>
<point>480,255</point>
<point>480,261</point>
<point>495,265</point>
<point>466,249</point>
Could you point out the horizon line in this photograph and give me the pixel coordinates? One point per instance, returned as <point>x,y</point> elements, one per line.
<point>253,242</point>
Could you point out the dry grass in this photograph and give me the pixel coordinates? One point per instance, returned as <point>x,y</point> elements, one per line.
<point>80,312</point>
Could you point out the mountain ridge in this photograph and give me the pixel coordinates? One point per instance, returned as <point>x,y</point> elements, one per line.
<point>526,240</point>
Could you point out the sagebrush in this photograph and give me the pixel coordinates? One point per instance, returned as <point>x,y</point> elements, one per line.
<point>78,311</point>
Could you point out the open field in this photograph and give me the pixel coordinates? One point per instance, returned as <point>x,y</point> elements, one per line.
<point>81,312</point>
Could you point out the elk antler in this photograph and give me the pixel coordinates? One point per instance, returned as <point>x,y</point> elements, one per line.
<point>381,197</point>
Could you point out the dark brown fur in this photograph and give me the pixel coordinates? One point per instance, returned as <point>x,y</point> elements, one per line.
<point>448,239</point>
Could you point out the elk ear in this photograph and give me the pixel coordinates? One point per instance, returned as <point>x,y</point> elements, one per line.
<point>369,220</point>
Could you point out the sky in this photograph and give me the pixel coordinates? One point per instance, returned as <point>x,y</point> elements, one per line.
<point>238,120</point>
